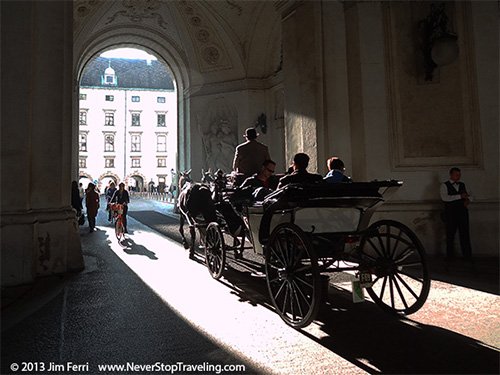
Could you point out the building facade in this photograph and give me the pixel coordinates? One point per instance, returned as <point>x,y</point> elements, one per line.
<point>127,124</point>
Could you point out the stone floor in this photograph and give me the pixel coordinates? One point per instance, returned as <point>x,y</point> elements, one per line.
<point>145,302</point>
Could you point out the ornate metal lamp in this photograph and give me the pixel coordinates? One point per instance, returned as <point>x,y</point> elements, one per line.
<point>439,45</point>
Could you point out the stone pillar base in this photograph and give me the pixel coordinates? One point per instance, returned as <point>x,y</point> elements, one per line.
<point>39,243</point>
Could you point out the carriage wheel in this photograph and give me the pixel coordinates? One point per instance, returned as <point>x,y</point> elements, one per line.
<point>215,250</point>
<point>292,274</point>
<point>394,255</point>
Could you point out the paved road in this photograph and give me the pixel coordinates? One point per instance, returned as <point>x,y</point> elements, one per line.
<point>145,302</point>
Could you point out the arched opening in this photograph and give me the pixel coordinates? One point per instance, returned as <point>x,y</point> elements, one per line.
<point>135,183</point>
<point>127,117</point>
<point>85,179</point>
<point>106,179</point>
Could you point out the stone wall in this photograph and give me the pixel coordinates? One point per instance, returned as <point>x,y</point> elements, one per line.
<point>405,128</point>
<point>39,229</point>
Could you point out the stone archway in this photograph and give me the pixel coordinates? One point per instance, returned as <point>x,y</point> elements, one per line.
<point>85,179</point>
<point>135,182</point>
<point>106,178</point>
<point>167,53</point>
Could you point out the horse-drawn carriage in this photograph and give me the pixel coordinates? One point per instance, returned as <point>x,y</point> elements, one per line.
<point>304,231</point>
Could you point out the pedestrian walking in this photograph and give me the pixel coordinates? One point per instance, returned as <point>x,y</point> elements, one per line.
<point>110,191</point>
<point>92,203</point>
<point>76,202</point>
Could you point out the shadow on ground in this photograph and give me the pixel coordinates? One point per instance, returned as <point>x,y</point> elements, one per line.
<point>103,315</point>
<point>362,333</point>
<point>376,341</point>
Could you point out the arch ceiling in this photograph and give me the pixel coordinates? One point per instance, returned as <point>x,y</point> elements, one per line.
<point>215,40</point>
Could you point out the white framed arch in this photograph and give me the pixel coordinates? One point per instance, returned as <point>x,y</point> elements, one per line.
<point>139,179</point>
<point>152,42</point>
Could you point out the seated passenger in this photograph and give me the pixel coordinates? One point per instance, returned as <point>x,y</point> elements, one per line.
<point>300,173</point>
<point>336,171</point>
<point>264,178</point>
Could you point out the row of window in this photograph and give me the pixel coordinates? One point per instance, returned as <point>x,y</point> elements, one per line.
<point>134,98</point>
<point>135,143</point>
<point>109,119</point>
<point>135,162</point>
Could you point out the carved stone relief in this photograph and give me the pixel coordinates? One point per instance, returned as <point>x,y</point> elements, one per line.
<point>82,9</point>
<point>234,6</point>
<point>217,128</point>
<point>439,123</point>
<point>209,48</point>
<point>138,10</point>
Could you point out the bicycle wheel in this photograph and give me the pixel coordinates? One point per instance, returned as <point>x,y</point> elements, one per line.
<point>119,229</point>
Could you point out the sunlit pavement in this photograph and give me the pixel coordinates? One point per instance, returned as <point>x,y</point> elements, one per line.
<point>457,330</point>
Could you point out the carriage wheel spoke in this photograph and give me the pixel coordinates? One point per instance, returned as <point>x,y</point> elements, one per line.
<point>412,277</point>
<point>407,286</point>
<point>304,282</point>
<point>278,257</point>
<point>283,247</point>
<point>280,289</point>
<point>275,268</point>
<point>304,269</point>
<point>399,292</point>
<point>298,257</point>
<point>296,288</point>
<point>398,238</point>
<point>219,263</point>
<point>274,279</point>
<point>281,255</point>
<point>391,291</point>
<point>404,254</point>
<point>381,242</point>
<point>374,247</point>
<point>370,257</point>
<point>290,290</point>
<point>413,264</point>
<point>289,252</point>
<point>283,309</point>
<point>388,240</point>
<point>383,288</point>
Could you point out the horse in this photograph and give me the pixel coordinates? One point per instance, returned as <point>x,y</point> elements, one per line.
<point>195,201</point>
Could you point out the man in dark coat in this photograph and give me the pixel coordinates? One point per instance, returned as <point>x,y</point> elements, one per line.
<point>92,203</point>
<point>250,155</point>
<point>300,173</point>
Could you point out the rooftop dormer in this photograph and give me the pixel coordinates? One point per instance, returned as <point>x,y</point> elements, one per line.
<point>109,78</point>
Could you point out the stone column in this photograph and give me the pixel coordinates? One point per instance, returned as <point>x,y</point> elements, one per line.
<point>39,230</point>
<point>303,81</point>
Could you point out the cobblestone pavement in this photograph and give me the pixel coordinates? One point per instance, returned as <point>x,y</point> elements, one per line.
<point>145,301</point>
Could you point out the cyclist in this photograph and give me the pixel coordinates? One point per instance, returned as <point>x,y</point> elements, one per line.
<point>121,196</point>
<point>110,191</point>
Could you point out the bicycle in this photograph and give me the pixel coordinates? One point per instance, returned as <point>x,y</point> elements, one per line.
<point>117,210</point>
